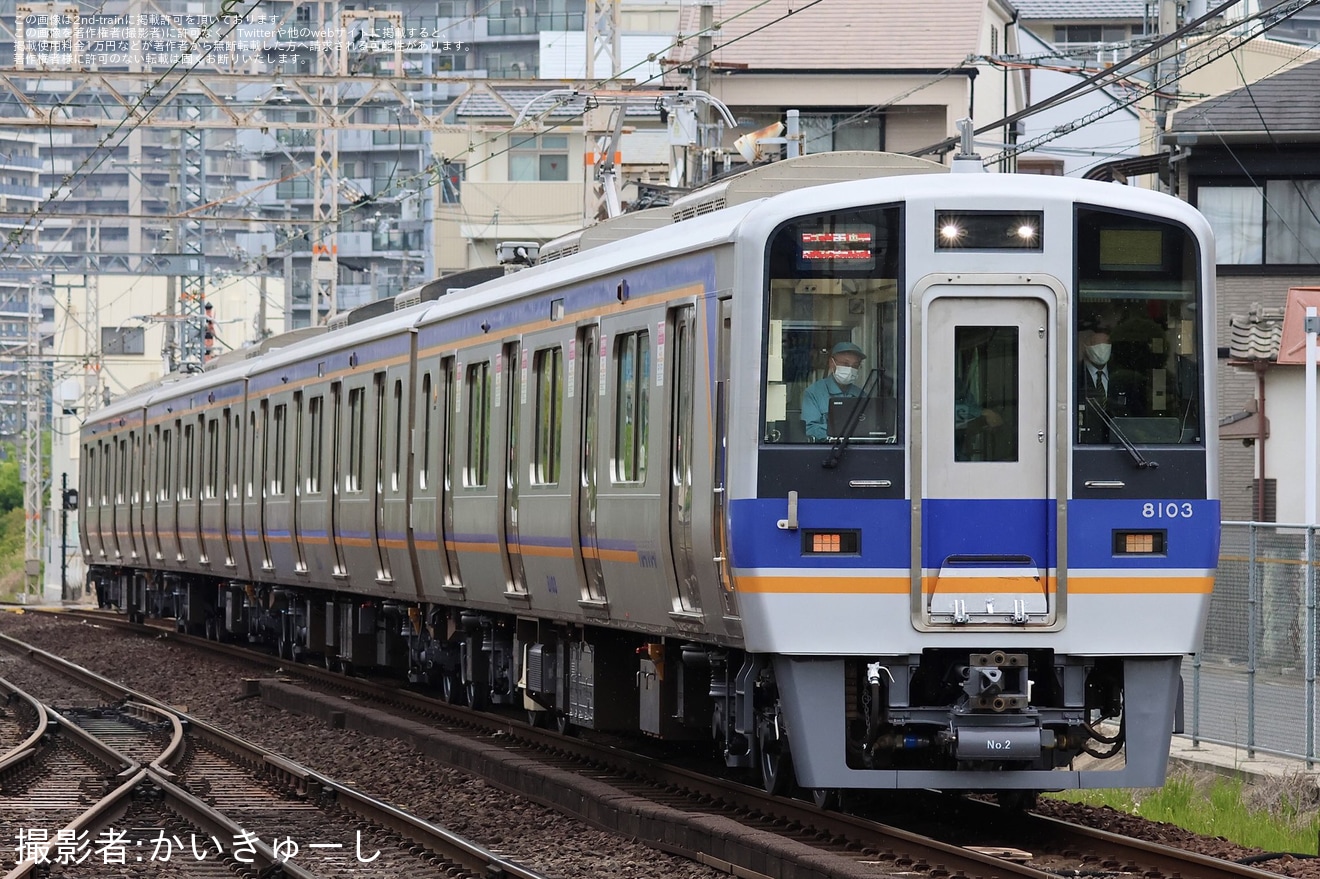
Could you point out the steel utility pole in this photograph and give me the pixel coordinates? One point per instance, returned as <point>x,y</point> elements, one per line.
<point>32,493</point>
<point>699,171</point>
<point>64,536</point>
<point>602,141</point>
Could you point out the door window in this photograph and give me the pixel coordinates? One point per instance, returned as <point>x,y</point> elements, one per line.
<point>985,405</point>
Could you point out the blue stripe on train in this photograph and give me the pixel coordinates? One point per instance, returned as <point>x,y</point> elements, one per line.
<point>976,528</point>
<point>953,527</point>
<point>1192,529</point>
<point>1002,528</point>
<point>756,541</point>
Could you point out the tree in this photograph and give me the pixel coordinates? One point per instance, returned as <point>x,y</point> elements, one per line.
<point>11,490</point>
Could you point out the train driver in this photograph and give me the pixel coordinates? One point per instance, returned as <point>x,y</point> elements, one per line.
<point>841,380</point>
<point>1101,385</point>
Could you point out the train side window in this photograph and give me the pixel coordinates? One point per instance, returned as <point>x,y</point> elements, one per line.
<point>186,466</point>
<point>315,443</point>
<point>477,470</point>
<point>225,479</point>
<point>234,440</point>
<point>212,459</point>
<point>123,471</point>
<point>296,445</point>
<point>424,459</point>
<point>397,464</point>
<point>263,449</point>
<point>135,444</point>
<point>197,477</point>
<point>549,367</point>
<point>1138,332</point>
<point>166,464</point>
<point>148,469</point>
<point>379,431</point>
<point>631,404</point>
<point>252,474</point>
<point>281,445</point>
<point>833,280</point>
<point>356,426</point>
<point>109,472</point>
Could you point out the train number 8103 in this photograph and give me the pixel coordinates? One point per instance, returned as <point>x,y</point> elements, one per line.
<point>1170,510</point>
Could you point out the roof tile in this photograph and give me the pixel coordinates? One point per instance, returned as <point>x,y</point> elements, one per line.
<point>1255,335</point>
<point>1283,102</point>
<point>1071,10</point>
<point>839,34</point>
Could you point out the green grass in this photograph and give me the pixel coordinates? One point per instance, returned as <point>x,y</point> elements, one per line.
<point>1277,815</point>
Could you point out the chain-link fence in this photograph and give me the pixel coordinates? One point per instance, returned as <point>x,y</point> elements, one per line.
<point>1253,685</point>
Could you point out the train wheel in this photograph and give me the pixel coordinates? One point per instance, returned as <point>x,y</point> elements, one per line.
<point>828,798</point>
<point>776,763</point>
<point>476,696</point>
<point>451,688</point>
<point>564,726</point>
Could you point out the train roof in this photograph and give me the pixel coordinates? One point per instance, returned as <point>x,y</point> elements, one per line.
<point>969,188</point>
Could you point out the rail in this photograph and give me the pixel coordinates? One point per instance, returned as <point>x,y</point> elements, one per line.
<point>456,850</point>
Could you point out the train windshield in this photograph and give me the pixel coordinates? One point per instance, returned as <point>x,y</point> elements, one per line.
<point>1138,376</point>
<point>832,341</point>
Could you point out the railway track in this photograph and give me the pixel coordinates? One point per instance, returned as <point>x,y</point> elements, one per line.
<point>136,781</point>
<point>729,826</point>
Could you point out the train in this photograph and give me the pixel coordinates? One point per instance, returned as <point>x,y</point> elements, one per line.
<point>628,488</point>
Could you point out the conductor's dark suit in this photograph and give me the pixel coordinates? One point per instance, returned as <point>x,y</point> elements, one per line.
<point>1119,393</point>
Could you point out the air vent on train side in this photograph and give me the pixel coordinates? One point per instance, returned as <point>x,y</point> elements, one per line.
<point>446,284</point>
<point>550,253</point>
<point>264,346</point>
<point>604,232</point>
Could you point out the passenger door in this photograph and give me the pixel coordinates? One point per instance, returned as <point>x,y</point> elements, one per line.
<point>681,440</point>
<point>987,527</point>
<point>632,521</point>
<point>582,358</point>
<point>513,383</point>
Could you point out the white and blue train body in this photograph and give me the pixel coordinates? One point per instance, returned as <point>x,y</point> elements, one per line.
<point>628,489</point>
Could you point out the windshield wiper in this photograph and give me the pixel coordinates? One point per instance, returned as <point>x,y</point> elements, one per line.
<point>854,415</point>
<point>1132,450</point>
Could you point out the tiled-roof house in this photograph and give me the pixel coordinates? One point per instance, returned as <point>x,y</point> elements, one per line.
<point>891,76</point>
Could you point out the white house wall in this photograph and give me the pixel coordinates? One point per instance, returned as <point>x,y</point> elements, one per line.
<point>1285,407</point>
<point>1118,134</point>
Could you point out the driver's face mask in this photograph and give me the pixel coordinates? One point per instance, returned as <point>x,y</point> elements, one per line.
<point>845,375</point>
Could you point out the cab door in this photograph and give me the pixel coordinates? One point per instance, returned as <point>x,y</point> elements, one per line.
<point>986,526</point>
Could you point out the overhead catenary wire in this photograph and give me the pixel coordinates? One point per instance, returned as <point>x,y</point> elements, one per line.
<point>1090,83</point>
<point>16,237</point>
<point>1213,53</point>
<point>429,176</point>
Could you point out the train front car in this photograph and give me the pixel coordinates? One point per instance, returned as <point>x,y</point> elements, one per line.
<point>979,529</point>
